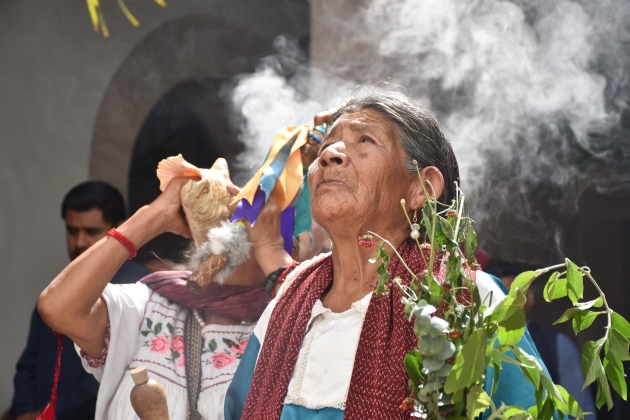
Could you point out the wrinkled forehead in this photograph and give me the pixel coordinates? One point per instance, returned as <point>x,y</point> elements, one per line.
<point>364,121</point>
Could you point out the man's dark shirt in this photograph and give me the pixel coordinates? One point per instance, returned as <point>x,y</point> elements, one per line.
<point>33,380</point>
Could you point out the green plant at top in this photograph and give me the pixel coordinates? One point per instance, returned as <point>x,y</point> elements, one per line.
<point>460,335</point>
<point>96,14</point>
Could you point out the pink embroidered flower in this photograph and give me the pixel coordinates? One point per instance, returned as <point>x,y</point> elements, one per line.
<point>221,360</point>
<point>159,345</point>
<point>182,360</point>
<point>178,343</point>
<point>239,348</point>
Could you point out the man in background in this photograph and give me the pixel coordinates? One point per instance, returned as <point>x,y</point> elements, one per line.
<point>560,354</point>
<point>89,210</point>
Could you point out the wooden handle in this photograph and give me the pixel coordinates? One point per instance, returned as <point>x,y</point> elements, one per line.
<point>204,275</point>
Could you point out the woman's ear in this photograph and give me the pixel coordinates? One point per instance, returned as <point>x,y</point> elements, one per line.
<point>433,185</point>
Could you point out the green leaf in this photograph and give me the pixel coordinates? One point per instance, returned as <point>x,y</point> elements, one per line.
<point>453,269</point>
<point>477,401</point>
<point>550,387</point>
<point>170,328</point>
<point>496,365</point>
<point>618,345</point>
<point>547,409</point>
<point>212,345</point>
<point>443,233</point>
<point>567,315</point>
<point>597,303</point>
<point>522,282</point>
<point>149,323</point>
<point>614,371</point>
<point>514,411</point>
<point>458,396</point>
<point>568,404</point>
<point>158,328</point>
<point>228,342</point>
<point>470,244</point>
<point>145,332</point>
<point>603,393</point>
<point>555,288</point>
<point>427,218</point>
<point>511,330</point>
<point>470,363</point>
<point>413,364</point>
<point>436,292</point>
<point>620,324</point>
<point>496,306</point>
<point>582,320</point>
<point>532,375</point>
<point>591,365</point>
<point>504,357</point>
<point>575,282</point>
<point>539,395</point>
<point>508,307</point>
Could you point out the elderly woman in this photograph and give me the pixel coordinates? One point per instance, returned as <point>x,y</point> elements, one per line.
<point>326,347</point>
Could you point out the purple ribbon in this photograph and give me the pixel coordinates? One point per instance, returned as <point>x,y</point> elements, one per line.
<point>286,228</point>
<point>250,212</point>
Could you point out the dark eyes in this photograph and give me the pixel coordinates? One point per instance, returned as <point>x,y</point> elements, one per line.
<point>363,139</point>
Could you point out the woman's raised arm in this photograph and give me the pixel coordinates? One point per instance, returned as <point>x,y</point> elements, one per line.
<point>72,304</point>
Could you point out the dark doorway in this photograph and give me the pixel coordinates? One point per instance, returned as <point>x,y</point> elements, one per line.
<point>189,119</point>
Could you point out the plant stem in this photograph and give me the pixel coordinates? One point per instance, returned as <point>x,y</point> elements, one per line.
<point>395,252</point>
<point>459,216</point>
<point>603,296</point>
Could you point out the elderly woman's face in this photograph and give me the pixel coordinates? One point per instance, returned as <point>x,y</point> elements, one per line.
<point>360,175</point>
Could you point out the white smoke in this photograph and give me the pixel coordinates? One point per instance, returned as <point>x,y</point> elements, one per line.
<point>529,91</point>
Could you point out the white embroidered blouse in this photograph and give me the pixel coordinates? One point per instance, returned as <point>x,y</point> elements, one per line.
<point>147,329</point>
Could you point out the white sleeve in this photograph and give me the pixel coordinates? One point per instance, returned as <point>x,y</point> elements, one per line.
<point>489,291</point>
<point>126,304</point>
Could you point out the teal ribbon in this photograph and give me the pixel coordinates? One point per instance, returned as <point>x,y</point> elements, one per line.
<point>303,217</point>
<point>272,172</point>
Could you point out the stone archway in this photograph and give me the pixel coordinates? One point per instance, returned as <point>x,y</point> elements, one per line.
<point>216,46</point>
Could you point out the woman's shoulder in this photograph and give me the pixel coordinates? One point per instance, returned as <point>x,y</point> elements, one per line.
<point>263,321</point>
<point>299,270</point>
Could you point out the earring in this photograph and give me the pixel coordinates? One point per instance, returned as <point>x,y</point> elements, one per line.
<point>415,227</point>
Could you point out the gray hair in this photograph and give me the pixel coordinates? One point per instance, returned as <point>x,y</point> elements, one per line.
<point>420,134</point>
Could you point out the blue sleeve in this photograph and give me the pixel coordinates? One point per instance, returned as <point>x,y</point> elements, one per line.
<point>129,272</point>
<point>24,382</point>
<point>514,388</point>
<point>239,387</point>
<point>571,376</point>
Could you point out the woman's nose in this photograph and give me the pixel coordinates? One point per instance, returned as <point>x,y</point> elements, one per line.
<point>334,155</point>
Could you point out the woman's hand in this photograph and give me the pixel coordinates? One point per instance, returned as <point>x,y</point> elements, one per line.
<point>265,235</point>
<point>322,117</point>
<point>169,205</point>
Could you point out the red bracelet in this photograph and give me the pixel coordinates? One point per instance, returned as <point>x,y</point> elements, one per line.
<point>283,277</point>
<point>124,241</point>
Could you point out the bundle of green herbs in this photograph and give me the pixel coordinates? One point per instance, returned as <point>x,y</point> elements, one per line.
<point>459,335</point>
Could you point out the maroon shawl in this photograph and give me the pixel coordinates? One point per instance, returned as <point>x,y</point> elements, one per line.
<point>379,381</point>
<point>244,303</point>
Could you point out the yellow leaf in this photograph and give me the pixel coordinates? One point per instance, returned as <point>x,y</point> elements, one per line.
<point>128,14</point>
<point>93,7</point>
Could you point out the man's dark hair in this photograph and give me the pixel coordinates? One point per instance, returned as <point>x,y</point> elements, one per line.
<point>419,133</point>
<point>96,195</point>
